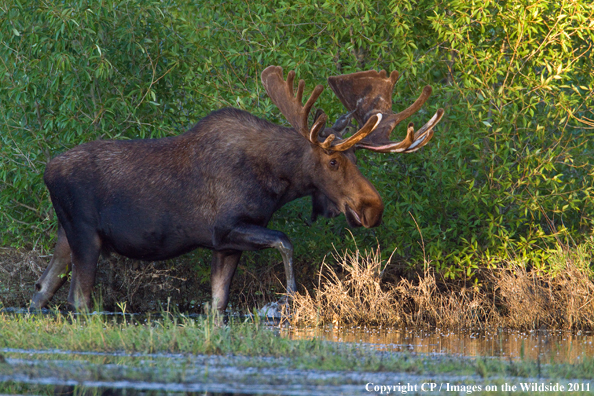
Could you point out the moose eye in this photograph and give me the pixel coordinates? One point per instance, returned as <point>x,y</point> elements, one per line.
<point>333,164</point>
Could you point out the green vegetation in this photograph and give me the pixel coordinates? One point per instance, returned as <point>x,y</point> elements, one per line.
<point>248,339</point>
<point>508,176</point>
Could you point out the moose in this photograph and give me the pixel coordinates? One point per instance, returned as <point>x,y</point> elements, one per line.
<point>217,185</point>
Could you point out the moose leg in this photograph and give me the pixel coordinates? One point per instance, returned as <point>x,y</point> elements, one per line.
<point>54,275</point>
<point>222,270</point>
<point>253,237</point>
<point>84,266</point>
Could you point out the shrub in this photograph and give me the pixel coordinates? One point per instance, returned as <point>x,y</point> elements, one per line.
<point>509,169</point>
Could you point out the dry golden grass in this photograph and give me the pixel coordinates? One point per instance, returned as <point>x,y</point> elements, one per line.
<point>447,307</point>
<point>564,298</point>
<point>355,298</point>
<point>511,297</point>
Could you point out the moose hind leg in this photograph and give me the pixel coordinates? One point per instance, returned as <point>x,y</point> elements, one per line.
<point>54,275</point>
<point>85,254</point>
<point>222,269</point>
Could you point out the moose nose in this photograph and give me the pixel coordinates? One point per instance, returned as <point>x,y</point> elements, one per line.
<point>372,214</point>
<point>372,217</point>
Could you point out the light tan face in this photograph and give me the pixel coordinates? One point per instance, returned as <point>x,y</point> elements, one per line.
<point>346,189</point>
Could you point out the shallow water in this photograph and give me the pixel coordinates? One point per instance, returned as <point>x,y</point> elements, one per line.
<point>546,345</point>
<point>89,373</point>
<point>61,372</point>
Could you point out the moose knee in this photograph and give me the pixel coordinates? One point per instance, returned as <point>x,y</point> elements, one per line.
<point>284,246</point>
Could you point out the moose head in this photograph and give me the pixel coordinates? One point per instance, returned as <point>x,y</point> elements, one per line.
<point>365,95</point>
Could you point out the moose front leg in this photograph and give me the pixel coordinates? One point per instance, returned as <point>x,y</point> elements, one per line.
<point>253,237</point>
<point>222,270</point>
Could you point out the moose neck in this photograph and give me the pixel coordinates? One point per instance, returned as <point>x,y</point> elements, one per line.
<point>291,164</point>
<point>278,160</point>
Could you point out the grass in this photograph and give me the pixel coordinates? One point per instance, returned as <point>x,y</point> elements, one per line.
<point>511,296</point>
<point>248,338</point>
<point>360,289</point>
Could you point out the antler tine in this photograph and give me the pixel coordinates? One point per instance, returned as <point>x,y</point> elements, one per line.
<point>312,98</point>
<point>425,134</point>
<point>430,124</point>
<point>282,94</point>
<point>319,123</point>
<point>361,134</point>
<point>420,143</point>
<point>412,142</point>
<point>300,88</point>
<point>370,92</point>
<point>290,78</point>
<point>413,108</point>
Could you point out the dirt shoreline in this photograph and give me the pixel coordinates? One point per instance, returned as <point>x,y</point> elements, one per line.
<point>357,290</point>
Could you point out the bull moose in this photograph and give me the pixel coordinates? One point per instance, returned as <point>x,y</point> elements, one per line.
<point>217,185</point>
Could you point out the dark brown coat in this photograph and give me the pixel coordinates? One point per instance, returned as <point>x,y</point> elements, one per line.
<point>216,186</point>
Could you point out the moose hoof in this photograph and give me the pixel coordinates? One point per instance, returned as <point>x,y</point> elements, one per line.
<point>38,301</point>
<point>275,310</point>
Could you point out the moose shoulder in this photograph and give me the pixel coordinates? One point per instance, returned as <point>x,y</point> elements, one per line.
<point>215,186</point>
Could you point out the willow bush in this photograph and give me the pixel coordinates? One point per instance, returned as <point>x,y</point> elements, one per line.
<point>509,171</point>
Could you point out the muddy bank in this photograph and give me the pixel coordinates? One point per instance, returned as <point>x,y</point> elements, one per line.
<point>145,286</point>
<point>360,289</point>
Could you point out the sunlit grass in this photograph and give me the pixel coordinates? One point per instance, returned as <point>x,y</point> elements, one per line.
<point>510,296</point>
<point>249,338</point>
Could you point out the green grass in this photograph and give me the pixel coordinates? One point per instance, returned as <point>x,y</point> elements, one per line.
<point>249,339</point>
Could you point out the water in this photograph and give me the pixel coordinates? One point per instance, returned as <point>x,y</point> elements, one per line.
<point>103,373</point>
<point>57,372</point>
<point>546,345</point>
<point>125,389</point>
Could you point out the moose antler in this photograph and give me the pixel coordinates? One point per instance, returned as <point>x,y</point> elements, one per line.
<point>290,104</point>
<point>369,93</point>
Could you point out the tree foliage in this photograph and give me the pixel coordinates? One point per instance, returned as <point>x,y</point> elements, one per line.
<point>508,172</point>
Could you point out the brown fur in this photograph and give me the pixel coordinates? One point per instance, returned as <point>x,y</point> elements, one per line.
<point>216,186</point>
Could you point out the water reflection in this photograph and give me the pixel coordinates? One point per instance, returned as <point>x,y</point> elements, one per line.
<point>548,346</point>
